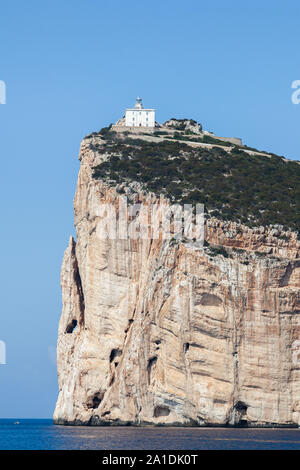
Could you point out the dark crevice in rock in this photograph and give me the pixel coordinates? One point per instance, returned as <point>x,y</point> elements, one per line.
<point>77,280</point>
<point>151,363</point>
<point>114,354</point>
<point>220,401</point>
<point>284,281</point>
<point>129,325</point>
<point>112,379</point>
<point>71,326</point>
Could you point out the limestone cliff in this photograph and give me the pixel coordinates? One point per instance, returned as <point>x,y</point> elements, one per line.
<point>172,333</point>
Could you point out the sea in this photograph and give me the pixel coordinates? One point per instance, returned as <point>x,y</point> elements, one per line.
<point>42,434</point>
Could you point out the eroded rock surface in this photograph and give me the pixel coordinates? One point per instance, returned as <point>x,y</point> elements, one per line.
<point>170,333</point>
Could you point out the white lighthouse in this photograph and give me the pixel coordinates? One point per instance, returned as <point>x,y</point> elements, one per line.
<point>139,116</point>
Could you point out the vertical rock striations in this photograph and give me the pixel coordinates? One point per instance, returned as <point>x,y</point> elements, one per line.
<point>168,333</point>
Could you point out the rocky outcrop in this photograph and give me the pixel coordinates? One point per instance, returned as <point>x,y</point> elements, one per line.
<point>156,331</point>
<point>184,125</point>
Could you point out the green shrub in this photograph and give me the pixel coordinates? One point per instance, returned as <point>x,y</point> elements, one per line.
<point>218,250</point>
<point>250,189</point>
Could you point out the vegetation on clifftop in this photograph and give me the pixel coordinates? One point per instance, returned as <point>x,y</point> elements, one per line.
<point>250,189</point>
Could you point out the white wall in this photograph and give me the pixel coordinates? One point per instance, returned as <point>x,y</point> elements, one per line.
<point>140,117</point>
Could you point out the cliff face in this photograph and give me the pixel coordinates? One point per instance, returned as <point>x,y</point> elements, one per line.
<point>170,333</point>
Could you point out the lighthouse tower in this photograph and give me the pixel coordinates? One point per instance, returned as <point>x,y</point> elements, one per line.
<point>139,116</point>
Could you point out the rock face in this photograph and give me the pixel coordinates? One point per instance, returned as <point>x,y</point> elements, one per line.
<point>154,332</point>
<point>184,125</point>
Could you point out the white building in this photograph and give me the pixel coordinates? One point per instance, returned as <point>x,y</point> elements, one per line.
<point>138,116</point>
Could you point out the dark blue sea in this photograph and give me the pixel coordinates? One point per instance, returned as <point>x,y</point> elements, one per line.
<point>41,434</point>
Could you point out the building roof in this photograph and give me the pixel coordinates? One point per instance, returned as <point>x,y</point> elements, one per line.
<point>142,109</point>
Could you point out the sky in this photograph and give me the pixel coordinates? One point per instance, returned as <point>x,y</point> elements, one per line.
<point>73,67</point>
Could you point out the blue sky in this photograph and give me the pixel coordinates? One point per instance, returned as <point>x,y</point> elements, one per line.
<point>71,68</point>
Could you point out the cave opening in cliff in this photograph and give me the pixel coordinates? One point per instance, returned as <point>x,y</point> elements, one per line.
<point>241,407</point>
<point>241,410</point>
<point>161,411</point>
<point>95,401</point>
<point>71,326</point>
<point>114,354</point>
